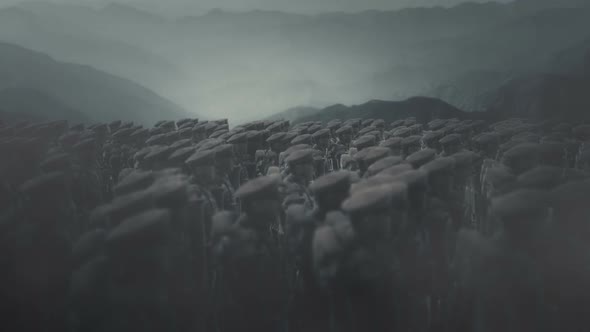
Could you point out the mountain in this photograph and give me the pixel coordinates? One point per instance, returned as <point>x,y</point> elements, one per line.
<point>294,113</point>
<point>574,60</point>
<point>423,108</point>
<point>97,95</point>
<point>111,39</point>
<point>249,64</point>
<point>542,96</point>
<point>26,103</point>
<point>530,5</point>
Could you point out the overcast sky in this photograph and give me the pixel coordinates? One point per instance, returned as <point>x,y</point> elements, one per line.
<point>305,6</point>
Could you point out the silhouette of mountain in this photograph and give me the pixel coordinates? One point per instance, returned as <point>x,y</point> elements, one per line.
<point>542,96</point>
<point>294,113</point>
<point>97,95</point>
<point>111,39</point>
<point>31,104</point>
<point>574,61</point>
<point>254,62</point>
<point>423,108</point>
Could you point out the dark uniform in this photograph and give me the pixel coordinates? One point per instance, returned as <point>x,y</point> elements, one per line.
<point>310,307</point>
<point>509,288</point>
<point>251,283</point>
<point>139,245</point>
<point>301,173</point>
<point>224,190</point>
<point>372,270</point>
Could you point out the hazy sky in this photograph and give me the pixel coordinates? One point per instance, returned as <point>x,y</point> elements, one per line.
<point>305,6</point>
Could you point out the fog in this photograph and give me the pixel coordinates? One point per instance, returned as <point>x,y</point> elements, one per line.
<point>193,7</point>
<point>247,62</point>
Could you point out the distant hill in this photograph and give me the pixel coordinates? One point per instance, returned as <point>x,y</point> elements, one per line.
<point>292,114</point>
<point>33,104</point>
<point>574,60</point>
<point>100,39</point>
<point>424,109</point>
<point>542,96</point>
<point>255,62</point>
<point>97,95</point>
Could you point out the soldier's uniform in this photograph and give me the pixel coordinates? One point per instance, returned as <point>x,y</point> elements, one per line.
<point>323,144</point>
<point>414,248</point>
<point>464,191</point>
<point>301,173</point>
<point>239,174</point>
<point>309,306</point>
<point>269,157</point>
<point>450,144</point>
<point>382,164</point>
<point>202,166</point>
<point>87,182</point>
<point>411,144</point>
<point>224,191</point>
<point>509,287</point>
<point>372,268</point>
<point>431,139</point>
<point>566,256</point>
<point>38,256</point>
<point>394,144</point>
<point>364,142</point>
<point>420,158</point>
<point>440,222</point>
<point>171,191</point>
<point>251,280</point>
<point>521,157</point>
<point>139,244</point>
<point>344,135</point>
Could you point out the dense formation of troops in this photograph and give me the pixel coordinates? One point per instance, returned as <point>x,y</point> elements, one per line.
<point>354,225</point>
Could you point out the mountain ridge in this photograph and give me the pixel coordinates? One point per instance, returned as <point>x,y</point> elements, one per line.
<point>100,96</point>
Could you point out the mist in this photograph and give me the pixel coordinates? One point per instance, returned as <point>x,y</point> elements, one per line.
<point>244,63</point>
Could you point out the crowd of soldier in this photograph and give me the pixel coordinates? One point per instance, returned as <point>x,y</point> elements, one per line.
<point>353,225</point>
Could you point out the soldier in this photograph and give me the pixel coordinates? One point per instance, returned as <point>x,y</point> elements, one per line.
<point>567,256</point>
<point>87,184</point>
<point>170,191</point>
<point>239,173</point>
<point>202,166</point>
<point>344,135</point>
<point>251,262</point>
<point>450,144</point>
<point>431,139</point>
<point>420,158</point>
<point>394,144</point>
<point>509,296</point>
<point>139,243</point>
<point>308,305</point>
<point>413,248</point>
<point>270,157</point>
<point>301,174</point>
<point>301,139</point>
<point>371,294</point>
<point>177,158</point>
<point>199,133</point>
<point>40,271</point>
<point>487,145</point>
<point>464,191</point>
<point>254,143</point>
<point>224,192</point>
<point>323,144</point>
<point>364,142</point>
<point>521,158</point>
<point>157,158</point>
<point>382,164</point>
<point>89,284</point>
<point>411,144</point>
